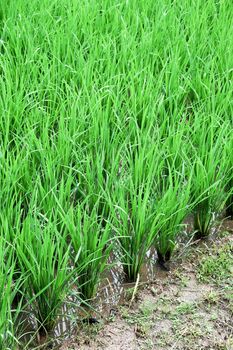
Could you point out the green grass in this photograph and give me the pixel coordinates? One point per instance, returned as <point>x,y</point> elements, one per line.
<point>115,123</point>
<point>218,266</point>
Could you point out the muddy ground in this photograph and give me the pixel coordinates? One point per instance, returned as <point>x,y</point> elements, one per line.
<point>189,307</point>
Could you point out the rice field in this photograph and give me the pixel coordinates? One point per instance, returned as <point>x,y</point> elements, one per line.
<point>116,122</point>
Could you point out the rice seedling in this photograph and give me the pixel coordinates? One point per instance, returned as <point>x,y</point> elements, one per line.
<point>173,202</point>
<point>91,245</point>
<point>229,202</point>
<point>135,225</point>
<point>44,261</point>
<point>209,174</point>
<point>229,185</point>
<point>97,172</point>
<point>129,205</point>
<point>131,202</point>
<point>8,290</point>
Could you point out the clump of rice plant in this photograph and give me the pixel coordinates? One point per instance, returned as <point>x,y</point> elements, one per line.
<point>209,174</point>
<point>172,203</point>
<point>135,224</point>
<point>229,185</point>
<point>91,246</point>
<point>8,290</point>
<point>43,259</point>
<point>229,202</point>
<point>132,206</point>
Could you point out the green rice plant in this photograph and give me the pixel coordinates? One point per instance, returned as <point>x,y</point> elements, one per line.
<point>134,214</point>
<point>8,290</point>
<point>108,102</point>
<point>149,201</point>
<point>12,200</point>
<point>93,179</point>
<point>173,202</point>
<point>91,245</point>
<point>135,224</point>
<point>229,185</point>
<point>143,218</point>
<point>44,261</point>
<point>229,202</point>
<point>209,175</point>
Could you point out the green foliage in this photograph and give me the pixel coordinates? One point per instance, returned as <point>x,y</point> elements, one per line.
<point>115,123</point>
<point>174,207</point>
<point>90,247</point>
<point>8,290</point>
<point>217,266</point>
<point>43,259</point>
<point>210,171</point>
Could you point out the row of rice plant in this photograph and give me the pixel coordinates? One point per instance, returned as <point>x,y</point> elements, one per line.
<point>60,251</point>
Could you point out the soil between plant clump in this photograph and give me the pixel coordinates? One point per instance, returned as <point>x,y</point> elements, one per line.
<point>188,308</point>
